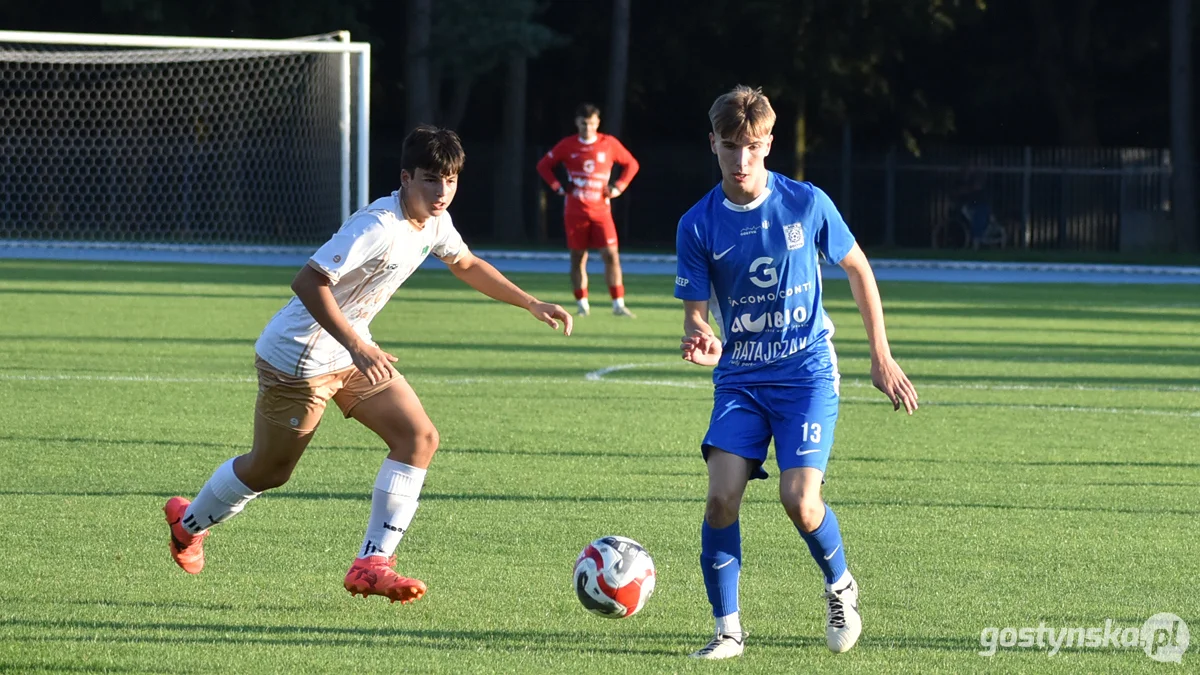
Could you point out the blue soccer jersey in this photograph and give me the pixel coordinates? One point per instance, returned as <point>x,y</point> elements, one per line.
<point>758,266</point>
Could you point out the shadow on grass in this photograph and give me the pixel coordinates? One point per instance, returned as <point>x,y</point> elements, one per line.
<point>84,441</point>
<point>1066,382</point>
<point>1019,312</point>
<point>16,667</point>
<point>521,641</point>
<point>182,294</point>
<point>1083,463</point>
<point>1032,352</point>
<point>485,497</point>
<point>579,346</point>
<point>164,273</point>
<point>171,274</point>
<point>638,454</point>
<point>172,604</point>
<point>375,450</point>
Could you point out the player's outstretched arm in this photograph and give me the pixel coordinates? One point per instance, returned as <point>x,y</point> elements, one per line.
<point>698,344</point>
<point>885,372</point>
<point>313,289</point>
<point>480,275</point>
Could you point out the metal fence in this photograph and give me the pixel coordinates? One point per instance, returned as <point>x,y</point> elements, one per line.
<point>1039,198</point>
<point>1035,198</point>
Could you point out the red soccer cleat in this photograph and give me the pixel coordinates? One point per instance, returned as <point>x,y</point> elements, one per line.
<point>374,575</point>
<point>187,549</point>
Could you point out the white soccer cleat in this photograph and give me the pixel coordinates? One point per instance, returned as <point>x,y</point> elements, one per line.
<point>623,311</point>
<point>843,622</point>
<point>722,646</point>
<point>582,310</point>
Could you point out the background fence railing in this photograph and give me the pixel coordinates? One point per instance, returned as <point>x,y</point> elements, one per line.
<point>1062,199</point>
<point>1036,198</point>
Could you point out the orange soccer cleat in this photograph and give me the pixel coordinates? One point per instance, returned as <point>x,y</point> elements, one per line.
<point>374,575</point>
<point>187,549</point>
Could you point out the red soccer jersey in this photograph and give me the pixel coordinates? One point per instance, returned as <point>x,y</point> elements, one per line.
<point>589,167</point>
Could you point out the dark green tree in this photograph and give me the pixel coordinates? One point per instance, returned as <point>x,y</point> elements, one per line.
<point>471,39</point>
<point>845,62</point>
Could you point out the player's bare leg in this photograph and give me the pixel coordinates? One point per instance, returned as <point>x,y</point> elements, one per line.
<point>614,279</point>
<point>397,416</point>
<point>728,475</point>
<point>579,281</point>
<point>721,552</point>
<point>269,464</point>
<point>273,457</point>
<point>800,493</point>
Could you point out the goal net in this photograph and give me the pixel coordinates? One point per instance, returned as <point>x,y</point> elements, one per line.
<point>176,140</point>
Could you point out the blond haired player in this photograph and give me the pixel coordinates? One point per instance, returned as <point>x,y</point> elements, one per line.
<point>749,252</point>
<point>319,347</point>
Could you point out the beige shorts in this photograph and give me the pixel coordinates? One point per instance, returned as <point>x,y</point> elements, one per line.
<point>297,403</point>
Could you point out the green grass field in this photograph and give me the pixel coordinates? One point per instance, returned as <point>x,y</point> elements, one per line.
<point>1051,475</point>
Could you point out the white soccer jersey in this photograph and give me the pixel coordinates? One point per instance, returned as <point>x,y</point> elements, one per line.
<point>374,252</point>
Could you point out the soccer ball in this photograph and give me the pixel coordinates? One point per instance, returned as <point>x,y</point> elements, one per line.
<point>614,576</point>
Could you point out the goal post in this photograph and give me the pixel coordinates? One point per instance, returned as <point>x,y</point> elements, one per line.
<point>151,139</point>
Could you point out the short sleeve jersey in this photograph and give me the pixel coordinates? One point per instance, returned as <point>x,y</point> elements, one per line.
<point>589,167</point>
<point>758,265</point>
<point>372,254</point>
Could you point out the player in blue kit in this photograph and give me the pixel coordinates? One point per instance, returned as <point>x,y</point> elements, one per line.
<point>749,252</point>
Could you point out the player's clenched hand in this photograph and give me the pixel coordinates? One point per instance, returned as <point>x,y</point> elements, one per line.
<point>550,314</point>
<point>701,348</point>
<point>888,378</point>
<point>375,363</point>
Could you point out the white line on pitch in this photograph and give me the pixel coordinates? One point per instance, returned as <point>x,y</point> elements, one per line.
<point>597,375</point>
<point>660,383</point>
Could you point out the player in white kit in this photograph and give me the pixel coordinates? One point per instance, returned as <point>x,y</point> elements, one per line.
<point>319,347</point>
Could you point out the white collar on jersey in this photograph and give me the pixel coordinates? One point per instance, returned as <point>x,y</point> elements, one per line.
<point>758,201</point>
<point>587,142</point>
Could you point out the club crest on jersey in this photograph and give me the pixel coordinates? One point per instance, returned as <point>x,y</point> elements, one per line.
<point>600,156</point>
<point>794,234</point>
<point>425,250</point>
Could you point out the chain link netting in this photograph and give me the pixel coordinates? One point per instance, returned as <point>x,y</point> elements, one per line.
<point>169,145</point>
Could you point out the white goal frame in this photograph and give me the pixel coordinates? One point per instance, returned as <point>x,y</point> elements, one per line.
<point>356,98</point>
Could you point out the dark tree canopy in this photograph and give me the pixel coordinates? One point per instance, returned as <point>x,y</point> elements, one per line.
<point>1076,72</point>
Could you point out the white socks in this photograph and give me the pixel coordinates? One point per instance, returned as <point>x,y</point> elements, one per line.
<point>618,303</point>
<point>840,583</point>
<point>584,306</point>
<point>730,625</point>
<point>393,505</point>
<point>221,498</point>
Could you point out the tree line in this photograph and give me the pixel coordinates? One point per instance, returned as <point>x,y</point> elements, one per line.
<point>906,74</point>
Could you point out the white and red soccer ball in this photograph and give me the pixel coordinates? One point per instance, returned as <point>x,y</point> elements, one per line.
<point>614,576</point>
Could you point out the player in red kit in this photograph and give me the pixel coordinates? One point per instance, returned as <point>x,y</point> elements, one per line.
<point>587,214</point>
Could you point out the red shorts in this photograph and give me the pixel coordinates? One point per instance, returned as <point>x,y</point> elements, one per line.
<point>589,230</point>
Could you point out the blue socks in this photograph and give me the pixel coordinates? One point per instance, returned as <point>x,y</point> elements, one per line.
<point>721,559</point>
<point>721,563</point>
<point>825,544</point>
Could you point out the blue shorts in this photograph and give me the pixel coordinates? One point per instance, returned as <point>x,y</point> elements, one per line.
<point>801,419</point>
